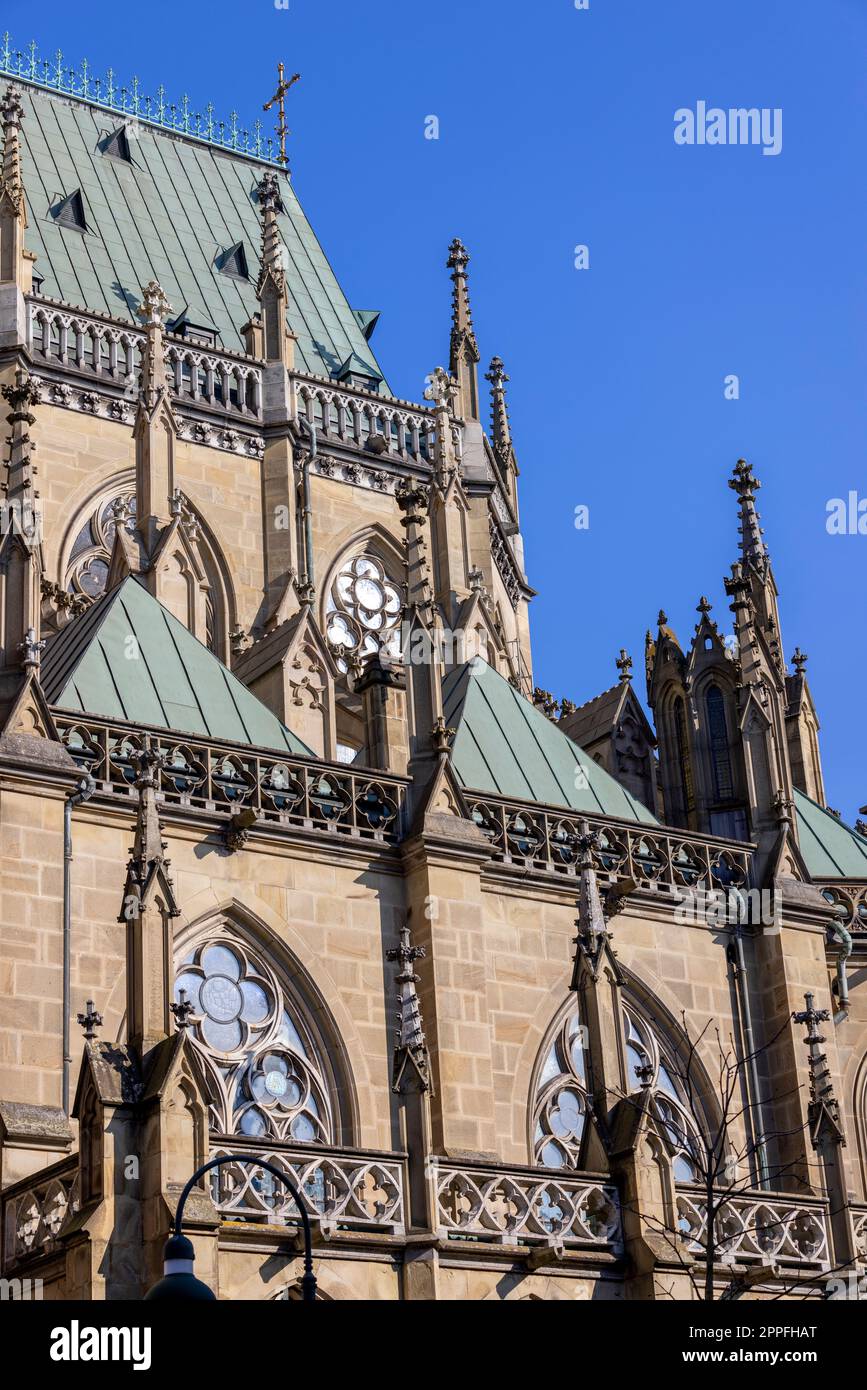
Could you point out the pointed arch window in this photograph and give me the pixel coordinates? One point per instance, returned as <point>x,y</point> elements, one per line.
<point>684,759</point>
<point>87,568</point>
<point>267,1067</point>
<point>561,1099</point>
<point>719,744</point>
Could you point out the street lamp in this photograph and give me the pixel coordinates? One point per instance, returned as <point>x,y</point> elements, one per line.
<point>179,1281</point>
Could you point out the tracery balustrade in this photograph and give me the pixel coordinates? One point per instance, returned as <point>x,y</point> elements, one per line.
<point>757,1229</point>
<point>546,838</point>
<point>219,777</point>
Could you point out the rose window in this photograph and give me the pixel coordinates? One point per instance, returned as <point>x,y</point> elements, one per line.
<point>561,1097</point>
<point>363,611</point>
<point>263,1060</point>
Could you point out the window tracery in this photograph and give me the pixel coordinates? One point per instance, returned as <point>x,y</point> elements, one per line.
<point>363,611</point>
<point>201,601</point>
<point>87,570</point>
<point>561,1101</point>
<point>262,1057</point>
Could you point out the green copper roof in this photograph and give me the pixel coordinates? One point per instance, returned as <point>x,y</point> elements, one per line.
<point>830,848</point>
<point>170,215</point>
<point>128,658</point>
<point>504,745</point>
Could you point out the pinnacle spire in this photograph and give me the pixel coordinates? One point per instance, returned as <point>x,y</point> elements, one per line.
<point>624,666</point>
<point>147,858</point>
<point>277,345</point>
<point>410,1046</point>
<point>591,924</point>
<point>13,210</point>
<point>270,203</point>
<point>501,431</point>
<point>753,549</point>
<point>12,115</point>
<point>824,1108</point>
<point>463,348</point>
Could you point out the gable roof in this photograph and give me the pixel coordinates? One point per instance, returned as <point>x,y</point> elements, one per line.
<point>505,746</point>
<point>831,849</point>
<point>174,682</point>
<point>166,215</point>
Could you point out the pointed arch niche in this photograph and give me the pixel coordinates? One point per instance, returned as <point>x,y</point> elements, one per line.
<point>196,584</point>
<point>277,1069</point>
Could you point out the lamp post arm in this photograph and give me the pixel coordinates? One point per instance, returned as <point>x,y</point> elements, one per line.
<point>308,1280</point>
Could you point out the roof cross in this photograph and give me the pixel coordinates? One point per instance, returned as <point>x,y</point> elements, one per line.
<point>279,97</point>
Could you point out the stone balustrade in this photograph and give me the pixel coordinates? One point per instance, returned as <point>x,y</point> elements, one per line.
<point>342,1189</point>
<point>758,1228</point>
<point>546,838</point>
<point>35,1209</point>
<point>526,1206</point>
<point>221,777</point>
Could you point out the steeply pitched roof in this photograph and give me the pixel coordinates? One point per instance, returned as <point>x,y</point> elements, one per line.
<point>505,746</point>
<point>169,215</point>
<point>128,658</point>
<point>595,718</point>
<point>830,848</point>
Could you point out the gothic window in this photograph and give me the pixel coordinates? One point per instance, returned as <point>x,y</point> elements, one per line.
<point>363,611</point>
<point>719,744</point>
<point>561,1103</point>
<point>683,756</point>
<point>561,1099</point>
<point>201,608</point>
<point>264,1060</point>
<point>87,570</point>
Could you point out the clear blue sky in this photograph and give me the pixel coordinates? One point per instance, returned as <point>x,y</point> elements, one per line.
<point>556,129</point>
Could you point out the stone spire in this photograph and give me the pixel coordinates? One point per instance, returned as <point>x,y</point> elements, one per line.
<point>591,924</point>
<point>501,432</point>
<point>753,549</point>
<point>824,1108</point>
<point>148,934</point>
<point>410,1047</point>
<point>277,345</point>
<point>21,563</point>
<point>463,348</point>
<point>155,429</point>
<point>414,500</point>
<point>624,666</point>
<point>13,213</point>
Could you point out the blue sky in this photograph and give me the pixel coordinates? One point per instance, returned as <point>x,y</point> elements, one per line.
<point>556,129</point>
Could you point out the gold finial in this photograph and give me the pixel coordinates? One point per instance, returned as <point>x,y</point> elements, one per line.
<point>279,96</point>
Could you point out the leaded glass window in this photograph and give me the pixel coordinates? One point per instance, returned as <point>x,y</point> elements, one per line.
<point>561,1102</point>
<point>263,1058</point>
<point>719,744</point>
<point>363,611</point>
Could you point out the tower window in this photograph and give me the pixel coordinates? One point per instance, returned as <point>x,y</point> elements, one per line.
<point>719,744</point>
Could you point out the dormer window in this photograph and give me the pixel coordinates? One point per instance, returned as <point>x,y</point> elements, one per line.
<point>233,262</point>
<point>68,212</point>
<point>203,335</point>
<point>116,145</point>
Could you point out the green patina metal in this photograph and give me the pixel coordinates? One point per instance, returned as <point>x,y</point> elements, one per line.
<point>128,658</point>
<point>831,849</point>
<point>505,746</point>
<point>172,213</point>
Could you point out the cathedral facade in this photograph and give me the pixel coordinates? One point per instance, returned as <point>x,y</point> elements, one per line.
<point>531,999</point>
